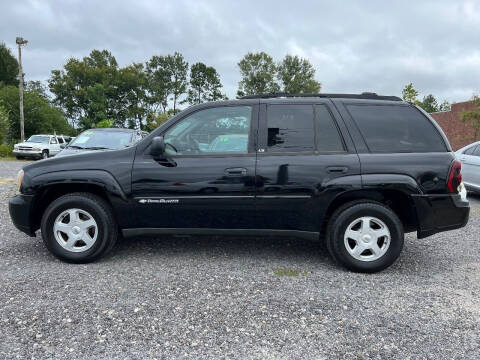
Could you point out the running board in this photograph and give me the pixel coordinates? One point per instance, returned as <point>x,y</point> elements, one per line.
<point>308,235</point>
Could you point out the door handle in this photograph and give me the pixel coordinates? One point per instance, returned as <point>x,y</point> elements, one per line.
<point>337,169</point>
<point>232,172</point>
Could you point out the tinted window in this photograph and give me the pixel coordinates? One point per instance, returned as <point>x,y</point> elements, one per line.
<point>477,151</point>
<point>470,150</point>
<point>218,130</point>
<point>290,128</point>
<point>396,128</point>
<point>60,140</point>
<point>328,138</point>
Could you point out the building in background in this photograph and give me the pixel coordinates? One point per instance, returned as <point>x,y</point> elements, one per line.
<point>459,134</point>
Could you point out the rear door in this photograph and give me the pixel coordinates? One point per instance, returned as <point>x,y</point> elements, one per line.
<point>301,157</point>
<point>467,159</point>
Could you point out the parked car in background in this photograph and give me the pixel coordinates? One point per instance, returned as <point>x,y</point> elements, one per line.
<point>102,139</point>
<point>40,146</point>
<point>469,156</point>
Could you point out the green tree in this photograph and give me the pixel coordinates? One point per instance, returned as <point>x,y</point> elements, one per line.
<point>472,117</point>
<point>410,94</point>
<point>40,115</point>
<point>444,106</point>
<point>87,90</point>
<point>204,83</point>
<point>429,104</point>
<point>297,76</point>
<point>258,75</point>
<point>178,69</point>
<point>154,120</point>
<point>8,66</point>
<point>37,86</point>
<point>107,123</point>
<point>4,124</point>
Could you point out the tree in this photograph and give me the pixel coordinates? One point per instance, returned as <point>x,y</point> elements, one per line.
<point>258,75</point>
<point>444,106</point>
<point>37,86</point>
<point>95,89</point>
<point>473,117</point>
<point>167,76</point>
<point>409,94</point>
<point>297,76</point>
<point>8,67</point>
<point>40,115</point>
<point>204,84</point>
<point>104,124</point>
<point>429,104</point>
<point>4,123</point>
<point>155,120</point>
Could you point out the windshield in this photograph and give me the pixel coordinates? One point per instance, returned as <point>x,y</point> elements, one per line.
<point>102,140</point>
<point>39,139</point>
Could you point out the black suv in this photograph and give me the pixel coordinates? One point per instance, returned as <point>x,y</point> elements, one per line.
<point>357,171</point>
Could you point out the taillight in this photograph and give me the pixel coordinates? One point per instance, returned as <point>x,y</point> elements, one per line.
<point>454,177</point>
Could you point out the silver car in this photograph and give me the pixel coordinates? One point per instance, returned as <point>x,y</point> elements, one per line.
<point>470,159</point>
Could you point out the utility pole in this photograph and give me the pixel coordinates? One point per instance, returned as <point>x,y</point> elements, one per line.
<point>20,41</point>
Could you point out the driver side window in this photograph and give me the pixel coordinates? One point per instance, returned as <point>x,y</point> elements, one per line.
<point>221,130</point>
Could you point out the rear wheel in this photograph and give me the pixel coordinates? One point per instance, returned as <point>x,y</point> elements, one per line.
<point>79,227</point>
<point>365,236</point>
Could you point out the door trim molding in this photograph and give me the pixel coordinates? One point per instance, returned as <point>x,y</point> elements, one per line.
<point>308,235</point>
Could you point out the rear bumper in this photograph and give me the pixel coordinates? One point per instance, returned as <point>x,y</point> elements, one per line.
<point>437,213</point>
<point>20,207</point>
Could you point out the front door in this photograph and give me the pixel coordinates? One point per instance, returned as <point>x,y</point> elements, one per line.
<point>206,177</point>
<point>301,158</point>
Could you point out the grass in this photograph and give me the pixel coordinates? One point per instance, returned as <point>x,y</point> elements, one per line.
<point>281,272</point>
<point>12,158</point>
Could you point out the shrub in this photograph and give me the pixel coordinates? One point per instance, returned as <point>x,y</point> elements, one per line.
<point>5,150</point>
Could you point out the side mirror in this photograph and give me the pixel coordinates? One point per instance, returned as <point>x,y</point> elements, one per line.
<point>157,148</point>
<point>63,146</point>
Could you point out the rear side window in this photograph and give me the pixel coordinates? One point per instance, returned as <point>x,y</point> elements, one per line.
<point>470,150</point>
<point>290,128</point>
<point>477,151</point>
<point>396,129</point>
<point>328,138</point>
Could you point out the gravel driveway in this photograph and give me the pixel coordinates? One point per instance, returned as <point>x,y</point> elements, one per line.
<point>214,297</point>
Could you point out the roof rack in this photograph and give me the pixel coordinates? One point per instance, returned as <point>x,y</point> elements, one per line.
<point>364,95</point>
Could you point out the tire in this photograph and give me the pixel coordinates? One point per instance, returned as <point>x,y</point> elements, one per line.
<point>79,244</point>
<point>19,157</point>
<point>45,154</point>
<point>374,239</point>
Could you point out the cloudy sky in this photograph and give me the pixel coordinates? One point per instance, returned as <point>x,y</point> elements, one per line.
<point>355,46</point>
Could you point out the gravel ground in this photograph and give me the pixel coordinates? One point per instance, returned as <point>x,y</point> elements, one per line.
<point>211,297</point>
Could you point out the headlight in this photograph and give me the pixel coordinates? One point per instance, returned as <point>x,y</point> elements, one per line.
<point>19,179</point>
<point>15,147</point>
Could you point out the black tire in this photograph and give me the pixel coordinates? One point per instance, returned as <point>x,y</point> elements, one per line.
<point>347,214</point>
<point>99,209</point>
<point>45,154</point>
<point>19,157</point>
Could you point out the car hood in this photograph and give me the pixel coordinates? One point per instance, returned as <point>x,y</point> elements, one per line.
<point>30,144</point>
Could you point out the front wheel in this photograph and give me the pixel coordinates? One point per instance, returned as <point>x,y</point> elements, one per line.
<point>79,227</point>
<point>45,154</point>
<point>365,236</point>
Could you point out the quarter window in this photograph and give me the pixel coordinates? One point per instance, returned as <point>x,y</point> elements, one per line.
<point>221,130</point>
<point>290,128</point>
<point>477,151</point>
<point>470,150</point>
<point>396,129</point>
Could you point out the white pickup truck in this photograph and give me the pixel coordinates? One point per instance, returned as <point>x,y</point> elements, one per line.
<point>40,146</point>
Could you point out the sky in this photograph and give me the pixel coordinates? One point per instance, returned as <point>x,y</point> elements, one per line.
<point>355,46</point>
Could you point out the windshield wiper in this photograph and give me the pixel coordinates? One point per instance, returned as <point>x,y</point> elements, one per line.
<point>97,148</point>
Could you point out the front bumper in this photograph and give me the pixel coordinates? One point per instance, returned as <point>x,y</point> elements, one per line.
<point>20,212</point>
<point>27,153</point>
<point>437,213</point>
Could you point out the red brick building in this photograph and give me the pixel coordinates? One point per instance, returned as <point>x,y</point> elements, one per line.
<point>459,134</point>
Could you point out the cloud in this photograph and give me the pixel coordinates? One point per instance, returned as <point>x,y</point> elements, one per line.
<point>354,45</point>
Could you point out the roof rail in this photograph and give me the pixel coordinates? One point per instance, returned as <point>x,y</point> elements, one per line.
<point>364,95</point>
